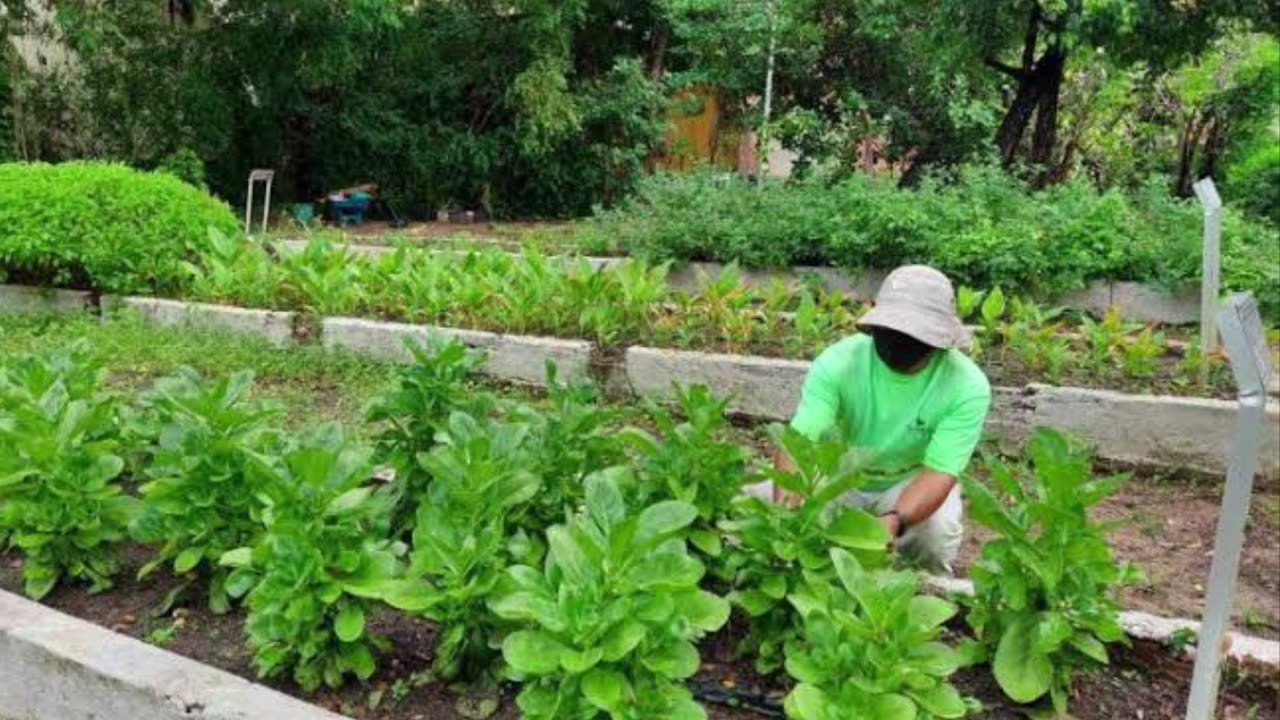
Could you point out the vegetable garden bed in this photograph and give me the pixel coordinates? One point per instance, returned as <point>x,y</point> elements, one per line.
<point>215,637</point>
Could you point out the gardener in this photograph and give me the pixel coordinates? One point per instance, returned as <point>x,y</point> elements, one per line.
<point>905,392</point>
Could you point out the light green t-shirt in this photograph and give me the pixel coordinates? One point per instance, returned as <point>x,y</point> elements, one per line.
<point>933,418</point>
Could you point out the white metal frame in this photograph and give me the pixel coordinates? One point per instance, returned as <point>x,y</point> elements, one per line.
<point>265,176</point>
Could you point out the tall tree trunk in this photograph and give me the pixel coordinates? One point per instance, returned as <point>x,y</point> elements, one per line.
<point>1184,176</point>
<point>1048,76</point>
<point>1017,118</point>
<point>658,53</point>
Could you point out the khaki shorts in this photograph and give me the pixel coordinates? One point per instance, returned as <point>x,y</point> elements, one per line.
<point>933,545</point>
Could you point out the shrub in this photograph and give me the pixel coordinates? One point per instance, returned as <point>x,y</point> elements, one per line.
<point>102,226</point>
<point>981,227</point>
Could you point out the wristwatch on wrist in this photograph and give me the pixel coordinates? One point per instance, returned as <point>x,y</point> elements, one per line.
<point>902,522</point>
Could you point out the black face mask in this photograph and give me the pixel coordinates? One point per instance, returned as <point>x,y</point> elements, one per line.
<point>901,352</point>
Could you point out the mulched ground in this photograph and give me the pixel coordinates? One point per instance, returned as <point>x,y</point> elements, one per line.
<point>1145,682</point>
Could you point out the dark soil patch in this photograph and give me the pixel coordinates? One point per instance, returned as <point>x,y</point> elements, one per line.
<point>1144,682</point>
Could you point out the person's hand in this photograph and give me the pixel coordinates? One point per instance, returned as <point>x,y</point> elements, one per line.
<point>892,525</point>
<point>787,498</point>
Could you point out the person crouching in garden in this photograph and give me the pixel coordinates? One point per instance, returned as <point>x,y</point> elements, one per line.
<point>903,391</point>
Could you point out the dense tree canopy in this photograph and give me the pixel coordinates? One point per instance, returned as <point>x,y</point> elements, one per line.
<point>538,107</point>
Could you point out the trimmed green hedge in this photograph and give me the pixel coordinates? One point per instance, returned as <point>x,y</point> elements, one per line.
<point>982,228</point>
<point>102,226</point>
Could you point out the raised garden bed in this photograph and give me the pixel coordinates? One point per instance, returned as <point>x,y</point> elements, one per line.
<point>1147,680</point>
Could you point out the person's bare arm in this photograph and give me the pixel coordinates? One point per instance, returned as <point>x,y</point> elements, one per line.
<point>783,462</point>
<point>920,500</point>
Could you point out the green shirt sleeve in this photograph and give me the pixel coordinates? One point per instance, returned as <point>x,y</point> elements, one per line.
<point>958,433</point>
<point>819,400</point>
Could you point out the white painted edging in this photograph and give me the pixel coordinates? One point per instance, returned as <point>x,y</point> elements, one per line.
<point>515,358</point>
<point>1148,430</point>
<point>56,667</point>
<point>1145,626</point>
<point>1136,301</point>
<point>24,300</point>
<point>273,326</point>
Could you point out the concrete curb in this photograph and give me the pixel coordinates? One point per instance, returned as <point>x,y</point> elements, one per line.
<point>1147,430</point>
<point>57,667</point>
<point>1136,301</point>
<point>25,300</point>
<point>1145,626</point>
<point>515,358</point>
<point>273,326</point>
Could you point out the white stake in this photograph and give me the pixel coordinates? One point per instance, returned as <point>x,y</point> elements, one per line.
<point>1211,264</point>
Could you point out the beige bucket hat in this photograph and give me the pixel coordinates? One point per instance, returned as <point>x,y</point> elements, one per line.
<point>919,301</point>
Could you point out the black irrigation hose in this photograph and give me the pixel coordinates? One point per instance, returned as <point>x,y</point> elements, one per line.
<point>711,692</point>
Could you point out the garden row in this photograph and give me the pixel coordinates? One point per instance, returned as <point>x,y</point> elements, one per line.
<point>546,548</point>
<point>632,303</point>
<point>1153,431</point>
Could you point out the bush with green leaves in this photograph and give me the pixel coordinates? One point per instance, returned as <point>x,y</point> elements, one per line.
<point>103,227</point>
<point>323,546</point>
<point>465,537</point>
<point>870,648</point>
<point>199,499</point>
<point>774,549</point>
<point>692,460</point>
<point>62,456</point>
<point>1044,602</point>
<point>607,626</point>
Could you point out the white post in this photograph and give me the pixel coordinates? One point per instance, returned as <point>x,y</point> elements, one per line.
<point>266,206</point>
<point>1246,347</point>
<point>248,207</point>
<point>1210,273</point>
<point>762,144</point>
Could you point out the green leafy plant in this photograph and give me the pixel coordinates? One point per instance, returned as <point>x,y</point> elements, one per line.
<point>465,538</point>
<point>692,461</point>
<point>1043,603</point>
<point>776,548</point>
<point>322,549</point>
<point>103,226</point>
<point>968,301</point>
<point>608,624</point>
<point>199,499</point>
<point>870,648</point>
<point>415,406</point>
<point>992,311</point>
<point>61,460</point>
<point>1141,354</point>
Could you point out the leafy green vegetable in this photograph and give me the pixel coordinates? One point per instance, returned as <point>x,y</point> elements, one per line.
<point>1043,603</point>
<point>415,407</point>
<point>322,550</point>
<point>200,500</point>
<point>61,458</point>
<point>869,649</point>
<point>692,461</point>
<point>607,626</point>
<point>776,549</point>
<point>464,540</point>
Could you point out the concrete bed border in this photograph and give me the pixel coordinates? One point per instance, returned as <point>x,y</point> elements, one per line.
<point>57,667</point>
<point>26,300</point>
<point>1136,301</point>
<point>1163,432</point>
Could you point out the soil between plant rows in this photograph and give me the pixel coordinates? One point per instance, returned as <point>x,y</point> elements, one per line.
<point>1144,681</point>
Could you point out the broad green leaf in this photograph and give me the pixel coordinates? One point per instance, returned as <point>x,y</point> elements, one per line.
<point>347,501</point>
<point>1090,647</point>
<point>532,652</point>
<point>662,519</point>
<point>622,639</point>
<point>859,530</point>
<point>604,501</point>
<point>703,610</point>
<point>349,624</point>
<point>848,569</point>
<point>605,689</point>
<point>891,706</point>
<point>360,660</point>
<point>676,660</point>
<point>930,612</point>
<point>806,702</point>
<point>666,571</point>
<point>706,541</point>
<point>942,700</point>
<point>1022,673</point>
<point>240,557</point>
<point>570,558</point>
<point>579,661</point>
<point>1051,631</point>
<point>754,602</point>
<point>934,658</point>
<point>188,559</point>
